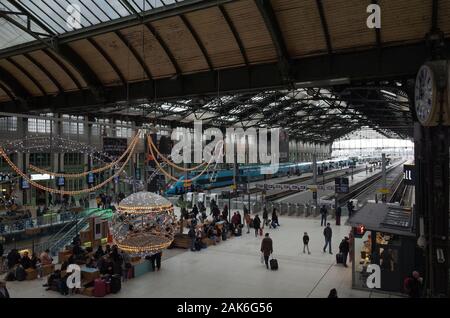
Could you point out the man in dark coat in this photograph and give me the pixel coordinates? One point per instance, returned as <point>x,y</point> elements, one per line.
<point>13,258</point>
<point>267,249</point>
<point>327,233</point>
<point>256,224</point>
<point>323,213</point>
<point>338,215</point>
<point>344,248</point>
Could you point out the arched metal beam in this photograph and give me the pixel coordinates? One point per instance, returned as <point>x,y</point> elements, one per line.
<point>197,40</point>
<point>7,91</point>
<point>15,88</point>
<point>90,77</point>
<point>164,46</point>
<point>235,33</point>
<point>52,56</point>
<point>136,55</point>
<point>270,20</point>
<point>27,74</point>
<point>108,59</point>
<point>45,71</point>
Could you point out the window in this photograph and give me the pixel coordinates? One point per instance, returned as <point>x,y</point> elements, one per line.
<point>40,159</point>
<point>72,125</point>
<point>101,128</point>
<point>124,132</point>
<point>37,125</point>
<point>8,123</point>
<point>73,159</point>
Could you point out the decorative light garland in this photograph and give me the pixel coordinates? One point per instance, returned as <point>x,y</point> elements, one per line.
<point>151,144</point>
<point>83,174</point>
<point>64,192</point>
<point>176,179</point>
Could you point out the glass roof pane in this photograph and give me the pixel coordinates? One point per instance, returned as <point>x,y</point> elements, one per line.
<point>54,15</point>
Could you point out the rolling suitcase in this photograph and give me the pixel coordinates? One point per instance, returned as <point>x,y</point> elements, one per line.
<point>339,258</point>
<point>273,264</point>
<point>99,288</point>
<point>116,284</point>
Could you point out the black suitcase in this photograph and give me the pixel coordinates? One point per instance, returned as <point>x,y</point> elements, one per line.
<point>273,264</point>
<point>116,284</point>
<point>339,258</point>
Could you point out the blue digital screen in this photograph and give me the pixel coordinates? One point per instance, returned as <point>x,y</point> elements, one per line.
<point>90,178</point>
<point>24,184</point>
<point>61,181</point>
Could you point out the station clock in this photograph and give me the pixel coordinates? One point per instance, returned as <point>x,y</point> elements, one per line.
<point>426,101</point>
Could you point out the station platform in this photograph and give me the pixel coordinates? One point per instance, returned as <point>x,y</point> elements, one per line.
<point>233,269</point>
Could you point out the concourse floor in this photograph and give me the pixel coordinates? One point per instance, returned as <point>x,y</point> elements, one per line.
<point>233,269</point>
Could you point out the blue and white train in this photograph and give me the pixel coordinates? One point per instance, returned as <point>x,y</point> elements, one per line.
<point>223,178</point>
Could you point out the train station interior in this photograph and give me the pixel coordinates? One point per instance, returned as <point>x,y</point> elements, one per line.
<point>224,148</point>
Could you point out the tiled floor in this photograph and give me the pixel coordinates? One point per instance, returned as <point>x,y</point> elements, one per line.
<point>233,269</point>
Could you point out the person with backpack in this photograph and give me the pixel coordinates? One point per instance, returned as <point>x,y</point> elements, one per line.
<point>256,224</point>
<point>412,285</point>
<point>266,249</point>
<point>305,243</point>
<point>344,248</point>
<point>327,233</point>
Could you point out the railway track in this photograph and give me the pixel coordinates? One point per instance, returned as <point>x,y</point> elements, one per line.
<point>329,177</point>
<point>364,186</point>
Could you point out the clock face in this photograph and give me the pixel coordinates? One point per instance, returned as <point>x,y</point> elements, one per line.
<point>425,94</point>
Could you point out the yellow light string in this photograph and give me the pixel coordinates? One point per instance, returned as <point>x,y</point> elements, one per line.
<point>63,192</point>
<point>176,179</point>
<point>151,144</point>
<point>83,174</point>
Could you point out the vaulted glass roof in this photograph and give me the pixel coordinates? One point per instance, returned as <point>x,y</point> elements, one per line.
<point>62,16</point>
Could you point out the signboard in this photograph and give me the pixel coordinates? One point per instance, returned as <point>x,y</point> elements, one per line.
<point>90,178</point>
<point>114,147</point>
<point>60,181</point>
<point>409,174</point>
<point>384,191</point>
<point>24,185</point>
<point>294,187</point>
<point>342,185</point>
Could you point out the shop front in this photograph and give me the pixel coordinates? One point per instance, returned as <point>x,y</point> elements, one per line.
<point>383,235</point>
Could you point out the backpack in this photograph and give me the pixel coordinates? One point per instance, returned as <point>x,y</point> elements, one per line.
<point>20,274</point>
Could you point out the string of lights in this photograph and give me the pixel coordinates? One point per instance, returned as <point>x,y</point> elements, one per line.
<point>83,174</point>
<point>170,163</point>
<point>168,175</point>
<point>64,192</point>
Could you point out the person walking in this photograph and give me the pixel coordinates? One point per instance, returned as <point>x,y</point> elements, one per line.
<point>265,216</point>
<point>327,233</point>
<point>275,222</point>
<point>248,220</point>
<point>306,242</point>
<point>344,248</point>
<point>323,213</point>
<point>350,208</point>
<point>256,224</point>
<point>267,249</point>
<point>338,215</point>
